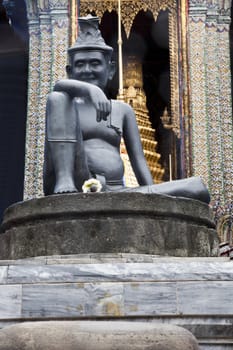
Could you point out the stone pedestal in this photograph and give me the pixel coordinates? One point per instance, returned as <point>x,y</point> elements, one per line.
<point>108,223</point>
<point>120,270</point>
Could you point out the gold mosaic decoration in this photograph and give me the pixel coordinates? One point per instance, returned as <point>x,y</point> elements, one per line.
<point>184,91</point>
<point>174,122</point>
<point>73,22</point>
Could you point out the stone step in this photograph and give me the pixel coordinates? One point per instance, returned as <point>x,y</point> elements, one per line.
<point>195,293</point>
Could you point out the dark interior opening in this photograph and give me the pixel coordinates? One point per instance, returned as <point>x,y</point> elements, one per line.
<point>148,41</point>
<point>231,53</point>
<point>13,100</point>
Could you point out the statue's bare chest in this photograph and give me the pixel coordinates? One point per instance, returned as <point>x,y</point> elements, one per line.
<point>109,130</point>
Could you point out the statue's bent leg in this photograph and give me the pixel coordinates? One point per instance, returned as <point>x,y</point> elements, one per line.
<point>192,188</point>
<point>61,140</point>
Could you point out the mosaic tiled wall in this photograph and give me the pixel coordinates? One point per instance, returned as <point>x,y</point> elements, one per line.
<point>49,37</point>
<point>209,22</point>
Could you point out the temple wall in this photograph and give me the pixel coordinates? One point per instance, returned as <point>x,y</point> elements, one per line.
<point>211,95</point>
<point>49,38</point>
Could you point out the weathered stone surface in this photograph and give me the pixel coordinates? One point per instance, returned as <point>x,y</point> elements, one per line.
<point>108,223</point>
<point>10,301</point>
<point>95,335</point>
<point>168,287</point>
<point>194,293</point>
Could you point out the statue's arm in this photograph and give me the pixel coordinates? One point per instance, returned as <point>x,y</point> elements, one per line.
<point>76,88</point>
<point>134,147</point>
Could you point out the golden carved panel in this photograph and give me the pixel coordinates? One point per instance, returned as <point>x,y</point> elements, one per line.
<point>129,9</point>
<point>174,73</point>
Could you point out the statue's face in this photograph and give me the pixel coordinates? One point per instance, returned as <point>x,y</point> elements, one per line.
<point>91,67</point>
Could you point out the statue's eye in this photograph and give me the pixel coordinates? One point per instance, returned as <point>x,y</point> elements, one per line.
<point>79,64</point>
<point>95,63</point>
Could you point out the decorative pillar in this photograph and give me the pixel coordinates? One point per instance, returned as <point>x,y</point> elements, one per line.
<point>211,95</point>
<point>49,38</point>
<point>44,88</point>
<point>197,19</point>
<point>225,108</point>
<point>60,26</point>
<point>216,183</point>
<point>33,99</point>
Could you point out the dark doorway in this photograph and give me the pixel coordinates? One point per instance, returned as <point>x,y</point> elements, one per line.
<point>149,41</point>
<point>231,53</point>
<point>13,100</point>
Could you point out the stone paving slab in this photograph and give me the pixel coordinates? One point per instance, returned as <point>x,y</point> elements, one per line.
<point>174,286</point>
<point>161,270</point>
<point>192,292</point>
<point>10,301</point>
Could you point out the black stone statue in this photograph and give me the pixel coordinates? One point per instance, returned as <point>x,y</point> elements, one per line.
<point>84,128</point>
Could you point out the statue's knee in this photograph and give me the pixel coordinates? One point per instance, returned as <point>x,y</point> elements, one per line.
<point>60,117</point>
<point>57,98</point>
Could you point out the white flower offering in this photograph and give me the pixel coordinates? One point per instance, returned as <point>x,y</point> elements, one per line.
<point>91,185</point>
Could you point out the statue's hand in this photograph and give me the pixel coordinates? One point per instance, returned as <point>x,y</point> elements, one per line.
<point>100,102</point>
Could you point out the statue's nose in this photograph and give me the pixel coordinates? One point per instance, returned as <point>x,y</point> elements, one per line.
<point>87,67</point>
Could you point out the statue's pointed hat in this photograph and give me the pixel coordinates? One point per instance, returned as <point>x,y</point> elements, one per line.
<point>89,36</point>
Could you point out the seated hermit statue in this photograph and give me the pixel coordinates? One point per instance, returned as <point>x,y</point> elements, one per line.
<point>84,128</point>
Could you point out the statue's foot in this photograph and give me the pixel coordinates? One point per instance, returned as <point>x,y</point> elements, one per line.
<point>64,188</point>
